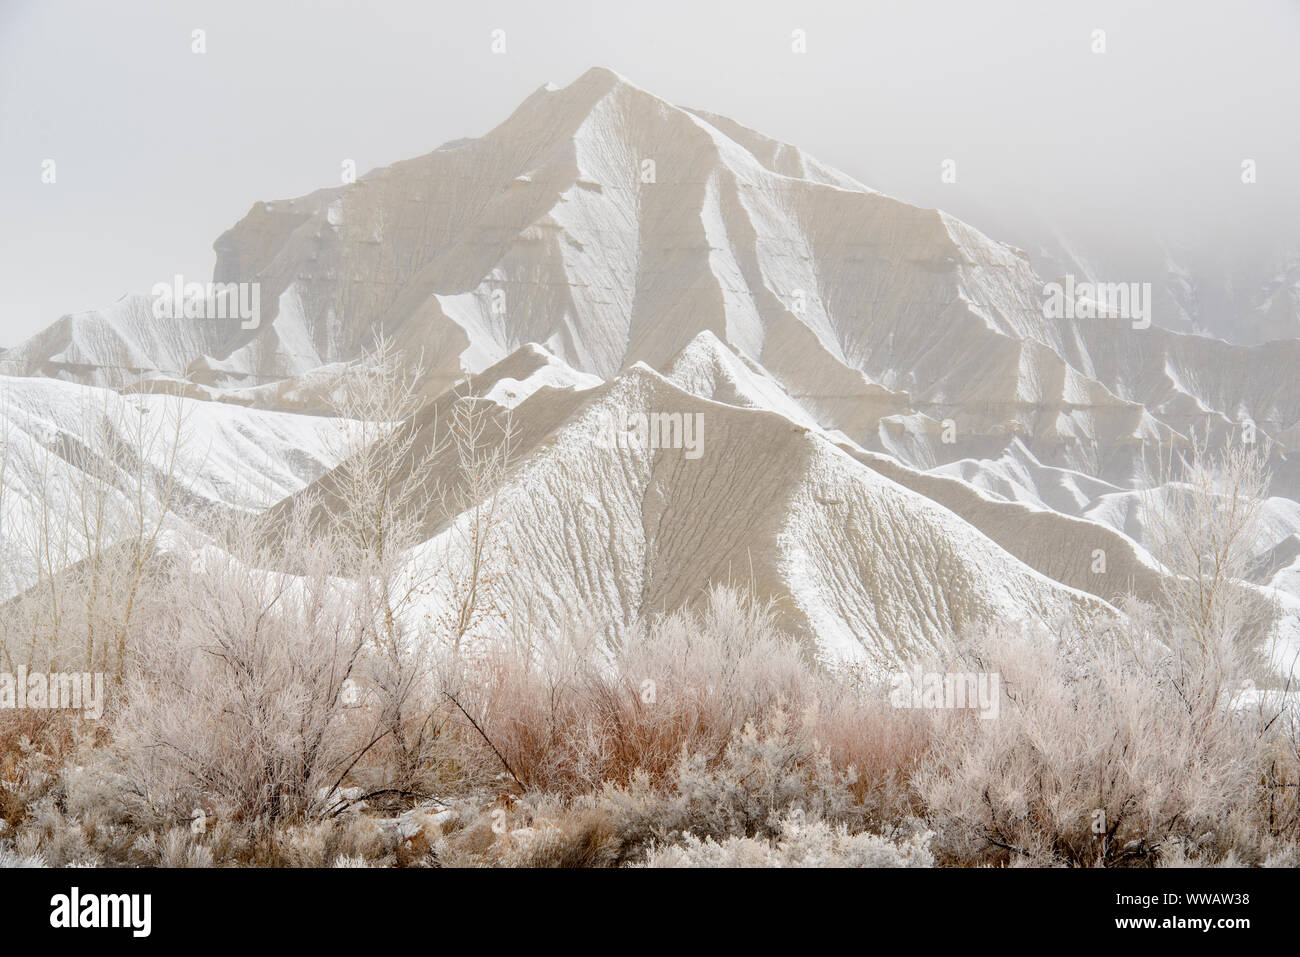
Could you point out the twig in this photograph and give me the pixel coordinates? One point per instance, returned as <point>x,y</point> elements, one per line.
<point>499,755</point>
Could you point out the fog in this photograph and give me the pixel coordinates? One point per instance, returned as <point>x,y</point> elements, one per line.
<point>158,150</point>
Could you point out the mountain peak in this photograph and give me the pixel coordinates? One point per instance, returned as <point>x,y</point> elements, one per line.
<point>590,87</point>
<point>602,76</point>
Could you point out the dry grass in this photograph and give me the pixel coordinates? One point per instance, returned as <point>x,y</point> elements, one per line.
<point>572,718</point>
<point>34,746</point>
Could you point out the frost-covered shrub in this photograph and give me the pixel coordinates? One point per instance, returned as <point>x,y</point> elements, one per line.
<point>569,715</point>
<point>34,746</point>
<point>177,847</point>
<point>240,702</point>
<point>766,773</point>
<point>572,717</point>
<point>1095,758</point>
<point>323,843</point>
<point>799,844</point>
<point>9,857</point>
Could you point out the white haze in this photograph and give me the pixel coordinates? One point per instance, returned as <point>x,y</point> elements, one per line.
<point>158,150</point>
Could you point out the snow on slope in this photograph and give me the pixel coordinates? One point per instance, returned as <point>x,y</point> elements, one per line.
<point>552,229</point>
<point>538,370</point>
<point>857,563</point>
<point>1018,476</point>
<point>56,437</point>
<point>115,345</point>
<point>1287,578</point>
<point>600,233</point>
<point>1019,522</point>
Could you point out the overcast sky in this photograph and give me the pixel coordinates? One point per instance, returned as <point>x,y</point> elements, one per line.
<point>158,150</point>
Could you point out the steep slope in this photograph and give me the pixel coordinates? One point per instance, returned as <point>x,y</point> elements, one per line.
<point>66,447</point>
<point>904,440</point>
<point>602,532</point>
<point>612,228</point>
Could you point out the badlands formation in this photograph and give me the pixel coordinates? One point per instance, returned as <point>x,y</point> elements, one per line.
<point>894,440</point>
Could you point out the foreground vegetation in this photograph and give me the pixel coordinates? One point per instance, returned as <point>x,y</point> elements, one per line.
<point>277,700</point>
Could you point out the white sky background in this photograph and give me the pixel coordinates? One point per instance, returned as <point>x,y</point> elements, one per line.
<point>159,150</point>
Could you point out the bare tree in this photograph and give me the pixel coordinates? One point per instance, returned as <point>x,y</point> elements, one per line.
<point>380,496</point>
<point>475,546</point>
<point>1205,511</point>
<point>405,471</point>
